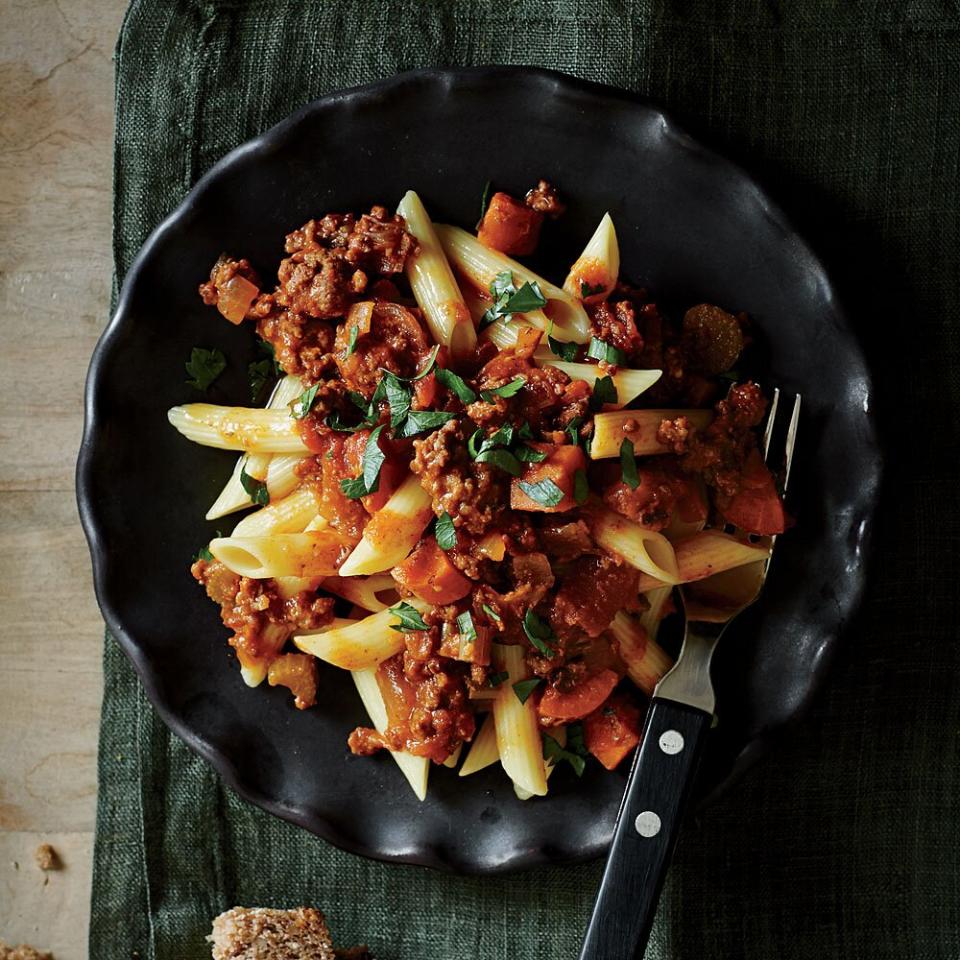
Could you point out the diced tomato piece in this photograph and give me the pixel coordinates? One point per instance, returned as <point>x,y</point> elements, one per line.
<point>429,574</point>
<point>611,732</point>
<point>425,392</point>
<point>392,473</point>
<point>583,699</point>
<point>560,466</point>
<point>510,226</point>
<point>757,508</point>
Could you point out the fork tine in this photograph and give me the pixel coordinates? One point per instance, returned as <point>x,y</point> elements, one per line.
<point>791,440</point>
<point>771,419</point>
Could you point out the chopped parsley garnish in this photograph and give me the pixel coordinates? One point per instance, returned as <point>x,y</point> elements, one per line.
<point>588,290</point>
<point>255,489</point>
<point>545,492</point>
<point>446,532</point>
<point>628,465</point>
<point>427,367</point>
<point>538,631</point>
<point>484,201</point>
<point>493,449</point>
<point>465,626</point>
<point>525,433</point>
<point>259,374</point>
<point>491,613</point>
<point>369,479</point>
<point>507,390</point>
<point>565,351</point>
<point>456,385</point>
<point>495,679</point>
<point>203,554</point>
<point>352,340</point>
<point>604,391</point>
<point>204,366</point>
<point>574,753</point>
<point>419,420</point>
<point>581,488</point>
<point>501,458</point>
<point>601,350</point>
<point>399,398</point>
<point>303,404</point>
<point>524,688</point>
<point>573,430</point>
<point>508,300</point>
<point>409,617</point>
<point>528,455</point>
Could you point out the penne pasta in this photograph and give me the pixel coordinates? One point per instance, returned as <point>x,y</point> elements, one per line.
<point>648,551</point>
<point>652,617</point>
<point>560,735</point>
<point>594,275</point>
<point>480,265</point>
<point>314,554</point>
<point>646,661</point>
<point>281,475</point>
<point>707,553</point>
<point>415,769</point>
<point>292,514</point>
<point>233,497</point>
<point>361,643</point>
<point>454,757</point>
<point>238,428</point>
<point>392,532</point>
<point>629,383</point>
<point>254,671</point>
<point>362,591</point>
<point>433,284</point>
<point>504,335</point>
<point>639,427</point>
<point>517,730</point>
<point>483,749</point>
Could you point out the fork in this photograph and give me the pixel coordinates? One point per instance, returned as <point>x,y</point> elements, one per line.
<point>680,713</point>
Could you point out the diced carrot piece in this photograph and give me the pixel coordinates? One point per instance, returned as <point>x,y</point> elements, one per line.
<point>583,699</point>
<point>757,508</point>
<point>429,574</point>
<point>560,466</point>
<point>611,732</point>
<point>510,226</point>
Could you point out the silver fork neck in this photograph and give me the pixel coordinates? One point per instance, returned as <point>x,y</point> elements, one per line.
<point>688,680</point>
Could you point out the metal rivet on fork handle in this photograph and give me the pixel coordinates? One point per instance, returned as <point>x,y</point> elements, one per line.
<point>671,741</point>
<point>647,824</point>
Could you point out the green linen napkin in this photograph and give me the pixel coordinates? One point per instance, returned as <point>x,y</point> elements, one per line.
<point>845,842</point>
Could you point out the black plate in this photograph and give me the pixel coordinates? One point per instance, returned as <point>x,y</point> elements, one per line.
<point>692,226</point>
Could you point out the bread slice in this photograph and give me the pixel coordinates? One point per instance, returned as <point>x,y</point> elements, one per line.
<point>23,952</point>
<point>257,933</point>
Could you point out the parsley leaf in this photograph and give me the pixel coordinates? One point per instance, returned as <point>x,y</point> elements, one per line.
<point>628,465</point>
<point>265,346</point>
<point>573,430</point>
<point>399,398</point>
<point>352,340</point>
<point>428,366</point>
<point>456,385</point>
<point>259,373</point>
<point>529,455</point>
<point>524,688</point>
<point>255,489</point>
<point>507,390</point>
<point>369,479</point>
<point>491,613</point>
<point>545,492</point>
<point>604,391</point>
<point>501,458</point>
<point>204,366</point>
<point>553,752</point>
<point>203,554</point>
<point>525,433</point>
<point>528,297</point>
<point>509,300</point>
<point>495,679</point>
<point>565,351</point>
<point>465,626</point>
<point>419,420</point>
<point>446,532</point>
<point>409,617</point>
<point>588,290</point>
<point>601,350</point>
<point>484,202</point>
<point>538,631</point>
<point>581,488</point>
<point>301,406</point>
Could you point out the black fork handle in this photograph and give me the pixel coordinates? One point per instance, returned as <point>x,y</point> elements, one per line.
<point>646,832</point>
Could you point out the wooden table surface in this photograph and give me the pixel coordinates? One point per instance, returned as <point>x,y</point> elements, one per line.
<point>56,130</point>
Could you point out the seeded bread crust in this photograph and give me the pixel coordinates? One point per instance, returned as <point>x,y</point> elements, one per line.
<point>258,933</point>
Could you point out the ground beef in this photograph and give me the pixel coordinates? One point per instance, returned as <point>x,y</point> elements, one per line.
<point>545,199</point>
<point>472,493</point>
<point>298,673</point>
<point>301,345</point>
<point>591,594</point>
<point>719,451</point>
<point>317,284</point>
<point>651,502</point>
<point>379,243</point>
<point>616,324</point>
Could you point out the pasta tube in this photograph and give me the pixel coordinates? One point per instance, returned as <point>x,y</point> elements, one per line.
<point>481,265</point>
<point>238,428</point>
<point>594,275</point>
<point>362,591</point>
<point>648,551</point>
<point>504,335</point>
<point>282,555</point>
<point>518,734</point>
<point>433,284</point>
<point>289,515</point>
<point>560,735</point>
<point>454,757</point>
<point>652,617</point>
<point>639,427</point>
<point>646,661</point>
<point>483,749</point>
<point>707,553</point>
<point>629,383</point>
<point>361,644</point>
<point>233,497</point>
<point>415,769</point>
<point>392,532</point>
